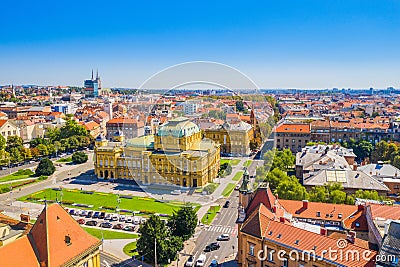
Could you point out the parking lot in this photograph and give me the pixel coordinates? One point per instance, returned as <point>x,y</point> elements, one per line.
<point>117,222</point>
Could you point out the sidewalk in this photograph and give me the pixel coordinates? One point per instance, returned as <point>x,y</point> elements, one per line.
<point>115,247</point>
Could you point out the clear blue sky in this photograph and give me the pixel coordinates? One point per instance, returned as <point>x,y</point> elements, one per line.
<point>280,44</point>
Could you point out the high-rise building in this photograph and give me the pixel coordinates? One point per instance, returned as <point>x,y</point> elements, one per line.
<point>92,86</point>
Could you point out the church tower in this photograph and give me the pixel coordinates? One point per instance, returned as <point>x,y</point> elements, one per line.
<point>245,195</point>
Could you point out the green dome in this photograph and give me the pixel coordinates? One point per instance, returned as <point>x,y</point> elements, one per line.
<point>178,127</point>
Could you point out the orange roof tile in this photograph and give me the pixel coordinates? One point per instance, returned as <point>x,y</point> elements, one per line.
<point>19,253</point>
<point>295,207</point>
<point>293,128</point>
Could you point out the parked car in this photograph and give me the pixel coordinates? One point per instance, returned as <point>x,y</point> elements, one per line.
<point>91,223</point>
<point>214,263</point>
<point>106,225</point>
<point>108,216</point>
<point>83,213</point>
<point>72,212</point>
<point>128,228</point>
<point>201,260</point>
<point>227,203</point>
<point>237,187</point>
<point>211,247</point>
<point>223,237</point>
<point>129,220</point>
<point>190,262</point>
<point>89,214</point>
<point>102,215</point>
<point>96,215</point>
<point>118,226</point>
<point>81,221</point>
<point>122,218</point>
<point>136,220</point>
<point>143,220</point>
<point>114,217</point>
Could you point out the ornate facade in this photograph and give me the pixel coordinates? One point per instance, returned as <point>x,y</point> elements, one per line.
<point>176,154</point>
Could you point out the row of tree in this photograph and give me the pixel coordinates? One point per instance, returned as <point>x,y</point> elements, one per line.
<point>69,137</point>
<point>166,240</point>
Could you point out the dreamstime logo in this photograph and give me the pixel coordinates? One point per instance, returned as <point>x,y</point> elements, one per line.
<point>340,253</point>
<point>165,167</point>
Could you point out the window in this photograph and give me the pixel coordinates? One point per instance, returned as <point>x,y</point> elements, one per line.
<point>251,249</point>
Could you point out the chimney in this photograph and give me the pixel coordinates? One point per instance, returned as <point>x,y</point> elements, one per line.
<point>281,219</point>
<point>360,207</point>
<point>305,204</point>
<point>26,218</point>
<point>323,231</point>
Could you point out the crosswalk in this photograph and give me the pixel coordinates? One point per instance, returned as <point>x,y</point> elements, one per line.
<point>222,229</point>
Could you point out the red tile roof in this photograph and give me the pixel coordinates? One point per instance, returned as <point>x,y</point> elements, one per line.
<point>293,128</point>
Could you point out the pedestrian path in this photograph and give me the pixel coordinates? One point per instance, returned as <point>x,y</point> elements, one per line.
<point>223,229</point>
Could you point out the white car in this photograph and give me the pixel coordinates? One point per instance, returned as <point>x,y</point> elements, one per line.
<point>114,217</point>
<point>129,220</point>
<point>201,260</point>
<point>190,262</point>
<point>143,220</point>
<point>136,220</point>
<point>223,237</point>
<point>122,218</point>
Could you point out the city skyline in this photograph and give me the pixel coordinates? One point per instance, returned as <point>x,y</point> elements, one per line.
<point>312,44</point>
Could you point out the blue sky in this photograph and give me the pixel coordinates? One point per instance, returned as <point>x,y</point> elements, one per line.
<point>280,44</point>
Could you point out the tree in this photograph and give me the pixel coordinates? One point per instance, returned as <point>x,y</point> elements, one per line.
<point>14,142</point>
<point>380,152</point>
<point>79,157</point>
<point>363,149</point>
<point>275,176</point>
<point>318,194</point>
<point>154,232</point>
<point>396,161</point>
<point>42,150</point>
<point>337,197</point>
<point>283,160</point>
<point>291,189</point>
<point>15,155</point>
<point>2,142</point>
<point>183,222</point>
<point>373,195</point>
<point>45,167</point>
<point>239,106</point>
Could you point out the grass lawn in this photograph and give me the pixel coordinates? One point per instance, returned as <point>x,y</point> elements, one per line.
<point>247,163</point>
<point>238,176</point>
<point>4,188</point>
<point>130,249</point>
<point>210,188</point>
<point>235,162</point>
<point>210,215</point>
<point>64,160</point>
<point>21,174</point>
<point>106,200</point>
<point>228,189</point>
<point>108,234</point>
<point>222,161</point>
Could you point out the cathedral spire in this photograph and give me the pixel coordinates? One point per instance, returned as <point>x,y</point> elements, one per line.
<point>92,74</point>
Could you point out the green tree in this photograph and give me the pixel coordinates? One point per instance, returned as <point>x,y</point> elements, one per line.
<point>2,142</point>
<point>363,149</point>
<point>15,155</point>
<point>14,142</point>
<point>45,167</point>
<point>380,152</point>
<point>366,194</point>
<point>275,177</point>
<point>240,106</point>
<point>291,189</point>
<point>396,161</point>
<point>42,150</point>
<point>79,157</point>
<point>284,160</point>
<point>183,222</point>
<point>318,194</point>
<point>337,197</point>
<point>155,232</point>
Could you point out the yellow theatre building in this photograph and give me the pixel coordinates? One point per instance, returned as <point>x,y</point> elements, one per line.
<point>176,154</point>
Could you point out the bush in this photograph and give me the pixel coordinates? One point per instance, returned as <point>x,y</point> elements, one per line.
<point>45,167</point>
<point>79,157</point>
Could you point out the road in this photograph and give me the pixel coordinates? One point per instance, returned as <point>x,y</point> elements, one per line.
<point>224,223</point>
